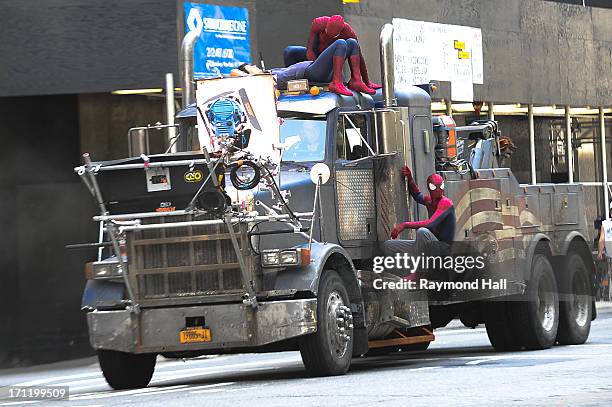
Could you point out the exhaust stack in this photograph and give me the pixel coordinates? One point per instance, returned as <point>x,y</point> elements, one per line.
<point>387,65</point>
<point>187,67</point>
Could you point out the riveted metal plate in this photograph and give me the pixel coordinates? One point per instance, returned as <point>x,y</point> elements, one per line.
<point>356,203</point>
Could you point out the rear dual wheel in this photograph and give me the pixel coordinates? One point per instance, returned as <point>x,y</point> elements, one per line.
<point>531,321</point>
<point>576,302</point>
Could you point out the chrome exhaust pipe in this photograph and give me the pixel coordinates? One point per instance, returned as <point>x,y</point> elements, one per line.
<point>387,65</point>
<point>187,67</point>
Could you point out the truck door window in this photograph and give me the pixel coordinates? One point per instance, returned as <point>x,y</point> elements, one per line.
<point>352,131</point>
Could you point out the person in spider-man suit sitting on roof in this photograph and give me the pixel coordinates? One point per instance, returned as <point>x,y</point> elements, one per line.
<point>439,227</point>
<point>331,31</point>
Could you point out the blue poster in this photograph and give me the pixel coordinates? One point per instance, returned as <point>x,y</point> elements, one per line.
<point>224,41</point>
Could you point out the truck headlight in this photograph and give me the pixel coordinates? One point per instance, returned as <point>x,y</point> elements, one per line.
<point>270,258</point>
<point>289,257</point>
<point>102,270</point>
<point>285,257</point>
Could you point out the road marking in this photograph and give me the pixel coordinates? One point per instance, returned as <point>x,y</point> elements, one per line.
<point>425,368</point>
<point>15,403</point>
<point>166,375</point>
<point>57,378</point>
<point>459,331</point>
<point>92,396</point>
<point>146,391</point>
<point>209,388</point>
<point>479,361</point>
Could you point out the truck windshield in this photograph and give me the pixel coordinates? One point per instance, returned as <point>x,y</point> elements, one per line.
<point>304,138</point>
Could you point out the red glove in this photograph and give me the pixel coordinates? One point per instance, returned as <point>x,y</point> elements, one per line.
<point>397,230</point>
<point>310,55</point>
<point>406,172</point>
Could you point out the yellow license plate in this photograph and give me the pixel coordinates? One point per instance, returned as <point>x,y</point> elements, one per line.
<point>194,335</point>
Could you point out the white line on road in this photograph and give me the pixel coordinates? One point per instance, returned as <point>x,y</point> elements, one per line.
<point>209,388</point>
<point>166,375</point>
<point>148,391</point>
<point>92,396</point>
<point>425,368</point>
<point>18,403</point>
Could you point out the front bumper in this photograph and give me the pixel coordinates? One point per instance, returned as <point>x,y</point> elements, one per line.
<point>232,326</point>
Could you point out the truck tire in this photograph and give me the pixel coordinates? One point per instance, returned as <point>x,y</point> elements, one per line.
<point>328,351</point>
<point>499,318</point>
<point>538,312</point>
<point>576,303</point>
<point>126,370</point>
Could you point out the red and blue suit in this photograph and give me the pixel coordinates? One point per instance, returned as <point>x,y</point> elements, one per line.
<point>441,211</point>
<point>330,43</point>
<point>324,31</point>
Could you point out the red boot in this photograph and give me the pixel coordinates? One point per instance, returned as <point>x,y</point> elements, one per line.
<point>365,76</point>
<point>339,88</point>
<point>359,86</point>
<point>356,83</point>
<point>336,84</point>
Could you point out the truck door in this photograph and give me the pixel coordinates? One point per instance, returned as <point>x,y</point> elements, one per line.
<point>354,181</point>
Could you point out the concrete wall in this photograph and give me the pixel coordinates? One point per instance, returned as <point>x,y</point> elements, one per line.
<point>80,46</point>
<point>534,51</point>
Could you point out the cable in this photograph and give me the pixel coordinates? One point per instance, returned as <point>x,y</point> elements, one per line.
<point>241,184</point>
<point>280,196</point>
<point>256,225</point>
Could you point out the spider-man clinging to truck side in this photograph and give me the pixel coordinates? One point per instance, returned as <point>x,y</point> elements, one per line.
<point>441,211</point>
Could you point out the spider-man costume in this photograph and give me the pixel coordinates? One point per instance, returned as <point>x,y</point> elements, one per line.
<point>441,211</point>
<point>327,32</point>
<point>323,32</point>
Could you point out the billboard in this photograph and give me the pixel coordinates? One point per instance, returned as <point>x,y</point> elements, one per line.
<point>427,51</point>
<point>224,41</point>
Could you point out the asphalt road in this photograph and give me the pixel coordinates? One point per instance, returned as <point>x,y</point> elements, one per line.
<point>460,368</point>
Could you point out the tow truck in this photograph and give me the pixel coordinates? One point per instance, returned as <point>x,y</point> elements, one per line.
<point>184,271</point>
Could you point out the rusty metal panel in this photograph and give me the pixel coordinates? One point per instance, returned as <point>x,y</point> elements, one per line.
<point>231,325</point>
<point>530,215</point>
<point>356,204</point>
<point>486,205</point>
<point>566,209</point>
<point>392,204</point>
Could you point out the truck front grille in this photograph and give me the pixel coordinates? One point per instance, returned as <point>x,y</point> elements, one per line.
<point>186,261</point>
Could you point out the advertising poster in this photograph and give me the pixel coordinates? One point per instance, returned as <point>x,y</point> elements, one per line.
<point>240,111</point>
<point>224,41</point>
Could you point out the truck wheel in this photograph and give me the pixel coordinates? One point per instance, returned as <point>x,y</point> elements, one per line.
<point>500,324</point>
<point>329,350</point>
<point>575,307</point>
<point>126,370</point>
<point>538,316</point>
